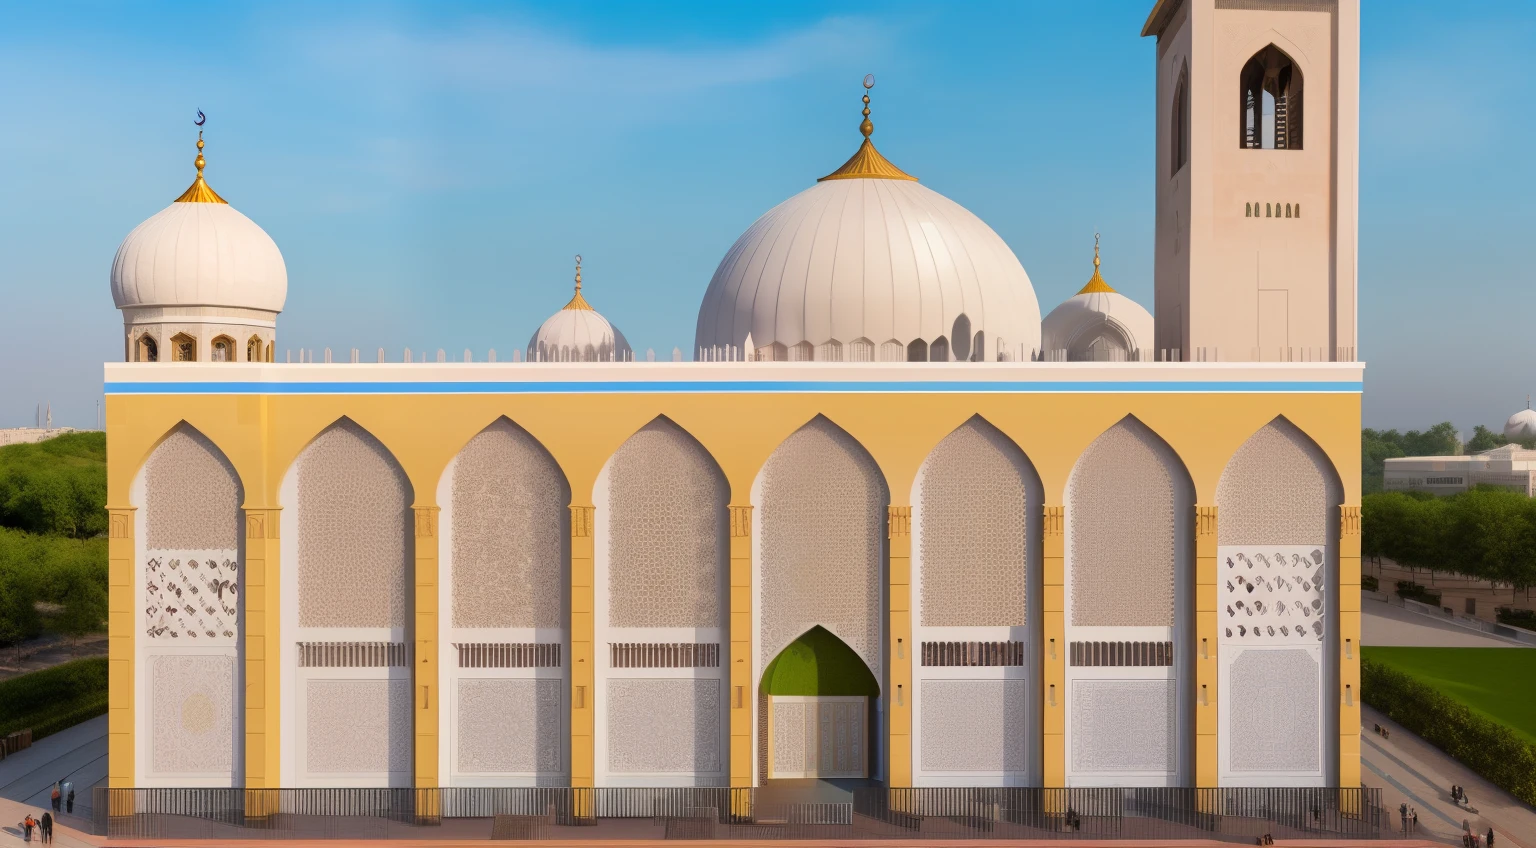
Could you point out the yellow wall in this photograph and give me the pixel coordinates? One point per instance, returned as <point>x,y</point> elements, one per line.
<point>263,434</point>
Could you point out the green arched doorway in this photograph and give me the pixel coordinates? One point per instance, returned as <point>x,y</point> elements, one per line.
<point>818,695</point>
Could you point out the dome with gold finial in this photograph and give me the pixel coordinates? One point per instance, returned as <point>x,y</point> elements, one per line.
<point>868,264</point>
<point>204,273</point>
<point>1097,324</point>
<point>578,333</point>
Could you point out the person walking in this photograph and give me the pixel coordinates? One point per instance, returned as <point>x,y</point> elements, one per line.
<point>1402,812</point>
<point>47,827</point>
<point>1490,837</point>
<point>69,801</point>
<point>1413,821</point>
<point>56,796</point>
<point>26,825</point>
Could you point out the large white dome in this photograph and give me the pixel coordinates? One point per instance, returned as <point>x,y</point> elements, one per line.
<point>1097,323</point>
<point>199,251</point>
<point>578,333</point>
<point>869,264</point>
<point>1521,427</point>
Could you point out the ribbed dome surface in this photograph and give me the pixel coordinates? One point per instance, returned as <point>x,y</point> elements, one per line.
<point>578,335</point>
<point>872,261</point>
<point>1082,319</point>
<point>199,254</point>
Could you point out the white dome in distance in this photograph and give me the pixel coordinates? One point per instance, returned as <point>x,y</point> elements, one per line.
<point>578,333</point>
<point>199,251</point>
<point>1521,427</point>
<point>1097,324</point>
<point>867,264</point>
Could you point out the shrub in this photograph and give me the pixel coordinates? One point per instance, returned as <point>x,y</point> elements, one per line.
<point>55,698</point>
<point>1369,583</point>
<point>1483,745</point>
<point>56,487</point>
<point>1415,592</point>
<point>1517,617</point>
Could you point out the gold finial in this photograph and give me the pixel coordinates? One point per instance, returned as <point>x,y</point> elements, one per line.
<point>1096,284</point>
<point>199,192</point>
<point>577,301</point>
<point>867,163</point>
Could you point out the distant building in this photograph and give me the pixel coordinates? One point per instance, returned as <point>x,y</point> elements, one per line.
<point>28,435</point>
<point>1509,466</point>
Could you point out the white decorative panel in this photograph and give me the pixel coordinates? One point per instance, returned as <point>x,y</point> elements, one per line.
<point>509,726</point>
<point>971,516</point>
<point>1271,595</point>
<point>1124,726</point>
<point>1275,716</point>
<point>823,736</point>
<point>192,714</point>
<point>660,726</point>
<point>357,726</point>
<point>822,526</point>
<point>192,597</point>
<point>974,725</point>
<point>1128,503</point>
<point>510,515</point>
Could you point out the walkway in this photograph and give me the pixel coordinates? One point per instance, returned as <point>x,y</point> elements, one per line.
<point>1384,624</point>
<point>78,755</point>
<point>1410,770</point>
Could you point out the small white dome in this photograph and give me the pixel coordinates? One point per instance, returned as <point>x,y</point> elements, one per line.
<point>1521,426</point>
<point>869,264</point>
<point>578,333</point>
<point>1097,323</point>
<point>199,252</point>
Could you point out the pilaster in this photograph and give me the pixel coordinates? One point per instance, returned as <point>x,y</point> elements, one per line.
<point>583,757</point>
<point>1053,633</point>
<point>428,693</point>
<point>121,633</point>
<point>898,701</point>
<point>1207,756</point>
<point>263,649</point>
<point>1349,646</point>
<point>741,693</point>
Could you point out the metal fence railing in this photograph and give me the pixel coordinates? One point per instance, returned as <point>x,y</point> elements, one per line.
<point>873,813</point>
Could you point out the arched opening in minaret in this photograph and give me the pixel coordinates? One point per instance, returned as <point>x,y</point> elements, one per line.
<point>1270,91</point>
<point>183,348</point>
<point>223,349</point>
<point>149,351</point>
<point>1180,122</point>
<point>820,698</point>
<point>253,349</point>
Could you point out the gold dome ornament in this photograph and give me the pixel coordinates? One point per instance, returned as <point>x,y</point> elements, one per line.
<point>577,301</point>
<point>199,192</point>
<point>867,163</point>
<point>1096,284</point>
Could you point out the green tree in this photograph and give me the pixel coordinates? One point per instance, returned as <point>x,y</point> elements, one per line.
<point>19,620</point>
<point>55,487</point>
<point>1484,439</point>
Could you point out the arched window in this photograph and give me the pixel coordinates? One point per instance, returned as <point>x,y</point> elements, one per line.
<point>1179,122</point>
<point>253,349</point>
<point>148,350</point>
<point>1270,107</point>
<point>939,350</point>
<point>183,348</point>
<point>917,351</point>
<point>269,352</point>
<point>223,349</point>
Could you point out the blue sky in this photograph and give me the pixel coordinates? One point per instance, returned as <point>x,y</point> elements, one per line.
<point>428,170</point>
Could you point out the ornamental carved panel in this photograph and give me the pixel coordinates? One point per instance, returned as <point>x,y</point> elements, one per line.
<point>1349,521</point>
<point>581,522</point>
<point>741,521</point>
<point>900,521</point>
<point>255,525</point>
<point>121,525</point>
<point>1054,523</point>
<point>1205,521</point>
<point>426,522</point>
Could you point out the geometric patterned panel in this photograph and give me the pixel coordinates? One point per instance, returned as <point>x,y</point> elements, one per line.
<point>971,515</point>
<point>1124,726</point>
<point>1274,721</point>
<point>192,495</point>
<point>193,714</point>
<point>666,531</point>
<point>357,726</point>
<point>509,726</point>
<point>822,528</point>
<point>974,725</point>
<point>1271,594</point>
<point>354,524</point>
<point>1126,502</point>
<point>660,726</point>
<point>509,513</point>
<point>1278,489</point>
<point>192,597</point>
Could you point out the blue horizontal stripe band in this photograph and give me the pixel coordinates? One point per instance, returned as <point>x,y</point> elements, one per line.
<point>475,387</point>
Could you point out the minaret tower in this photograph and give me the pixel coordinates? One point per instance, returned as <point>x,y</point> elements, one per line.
<point>1257,184</point>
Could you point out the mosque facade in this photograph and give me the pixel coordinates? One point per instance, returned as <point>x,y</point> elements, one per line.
<point>885,523</point>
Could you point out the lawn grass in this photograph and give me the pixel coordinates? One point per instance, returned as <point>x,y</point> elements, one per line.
<point>53,699</point>
<point>1497,683</point>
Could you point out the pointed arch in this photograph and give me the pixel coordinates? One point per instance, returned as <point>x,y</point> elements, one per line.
<point>1130,511</point>
<point>355,545</point>
<point>1279,488</point>
<point>183,348</point>
<point>1270,101</point>
<point>822,505</point>
<point>148,350</point>
<point>508,529</point>
<point>666,525</point>
<point>188,592</point>
<point>222,349</point>
<point>818,663</point>
<point>972,506</point>
<point>1179,123</point>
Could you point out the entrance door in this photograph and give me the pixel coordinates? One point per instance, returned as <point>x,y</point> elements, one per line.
<point>818,736</point>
